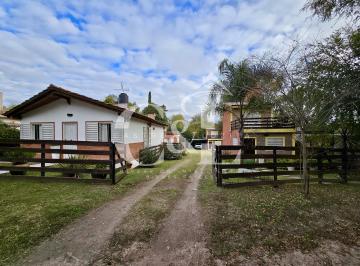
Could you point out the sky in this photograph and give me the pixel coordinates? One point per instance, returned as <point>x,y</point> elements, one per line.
<point>171,48</point>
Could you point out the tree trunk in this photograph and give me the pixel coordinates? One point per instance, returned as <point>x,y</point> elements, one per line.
<point>304,159</point>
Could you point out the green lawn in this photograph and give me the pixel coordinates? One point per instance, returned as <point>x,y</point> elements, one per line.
<point>30,211</point>
<point>255,220</point>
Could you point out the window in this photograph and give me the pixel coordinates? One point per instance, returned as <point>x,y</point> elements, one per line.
<point>36,131</point>
<point>70,131</point>
<point>104,132</point>
<point>275,141</point>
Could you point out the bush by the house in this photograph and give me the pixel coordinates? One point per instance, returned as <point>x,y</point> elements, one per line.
<point>173,151</point>
<point>74,166</point>
<point>7,132</point>
<point>149,156</point>
<point>18,158</point>
<point>99,166</point>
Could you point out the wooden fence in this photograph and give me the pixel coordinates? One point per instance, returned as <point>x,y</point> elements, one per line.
<point>149,155</point>
<point>61,160</point>
<point>268,163</point>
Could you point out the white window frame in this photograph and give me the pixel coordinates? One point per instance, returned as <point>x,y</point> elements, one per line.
<point>267,141</point>
<point>109,133</point>
<point>33,131</point>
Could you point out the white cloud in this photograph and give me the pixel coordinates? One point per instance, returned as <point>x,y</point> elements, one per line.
<point>93,46</point>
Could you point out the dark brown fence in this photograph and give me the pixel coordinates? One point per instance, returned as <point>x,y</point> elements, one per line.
<point>263,165</point>
<point>66,160</point>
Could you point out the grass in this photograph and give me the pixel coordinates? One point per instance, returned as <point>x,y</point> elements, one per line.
<point>144,220</point>
<point>31,211</point>
<point>243,221</point>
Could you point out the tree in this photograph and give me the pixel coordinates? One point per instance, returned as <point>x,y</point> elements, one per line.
<point>149,98</point>
<point>295,96</point>
<point>159,111</point>
<point>194,129</point>
<point>7,132</point>
<point>327,9</point>
<point>133,105</point>
<point>238,83</point>
<point>335,69</point>
<point>177,123</point>
<point>110,99</point>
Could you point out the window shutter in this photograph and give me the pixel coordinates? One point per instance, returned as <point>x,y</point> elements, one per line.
<point>25,131</point>
<point>91,131</point>
<point>47,131</point>
<point>117,132</point>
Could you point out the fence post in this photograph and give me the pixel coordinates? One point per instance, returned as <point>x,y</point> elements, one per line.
<point>42,165</point>
<point>218,170</point>
<point>275,167</point>
<point>320,165</point>
<point>344,164</point>
<point>112,162</point>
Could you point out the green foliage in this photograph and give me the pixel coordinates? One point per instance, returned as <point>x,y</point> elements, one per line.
<point>134,106</point>
<point>327,9</point>
<point>74,166</point>
<point>173,151</point>
<point>149,98</point>
<point>7,132</point>
<point>194,129</point>
<point>110,99</point>
<point>177,122</point>
<point>334,72</point>
<point>159,111</point>
<point>149,156</point>
<point>18,156</point>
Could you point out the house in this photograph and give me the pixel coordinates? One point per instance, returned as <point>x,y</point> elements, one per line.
<point>213,137</point>
<point>172,137</point>
<point>59,114</point>
<point>260,128</point>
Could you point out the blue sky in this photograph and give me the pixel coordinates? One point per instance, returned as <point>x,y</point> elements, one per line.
<point>169,47</point>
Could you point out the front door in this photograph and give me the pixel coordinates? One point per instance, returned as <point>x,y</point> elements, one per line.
<point>70,131</point>
<point>249,144</point>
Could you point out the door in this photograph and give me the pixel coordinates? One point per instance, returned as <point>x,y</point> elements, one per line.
<point>249,144</point>
<point>146,136</point>
<point>70,131</point>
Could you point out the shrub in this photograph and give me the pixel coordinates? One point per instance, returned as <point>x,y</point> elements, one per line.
<point>149,156</point>
<point>74,166</point>
<point>99,166</point>
<point>7,132</point>
<point>173,151</point>
<point>18,158</point>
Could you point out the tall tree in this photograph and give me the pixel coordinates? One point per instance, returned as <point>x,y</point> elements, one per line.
<point>328,9</point>
<point>335,69</point>
<point>238,84</point>
<point>295,97</point>
<point>149,98</point>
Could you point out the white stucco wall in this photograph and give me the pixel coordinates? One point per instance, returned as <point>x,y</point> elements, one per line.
<point>58,111</point>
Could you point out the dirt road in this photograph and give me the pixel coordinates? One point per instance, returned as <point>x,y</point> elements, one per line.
<point>80,241</point>
<point>182,239</point>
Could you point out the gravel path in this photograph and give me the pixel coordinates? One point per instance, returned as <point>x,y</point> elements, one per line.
<point>182,239</point>
<point>80,241</point>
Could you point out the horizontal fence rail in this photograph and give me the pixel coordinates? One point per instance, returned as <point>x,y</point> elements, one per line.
<point>233,161</point>
<point>57,159</point>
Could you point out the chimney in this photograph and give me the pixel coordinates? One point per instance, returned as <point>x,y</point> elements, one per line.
<point>123,100</point>
<point>1,103</point>
<point>152,116</point>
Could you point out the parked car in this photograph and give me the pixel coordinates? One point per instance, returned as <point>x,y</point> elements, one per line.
<point>198,146</point>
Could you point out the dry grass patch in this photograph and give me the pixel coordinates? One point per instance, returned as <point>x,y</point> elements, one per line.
<point>244,221</point>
